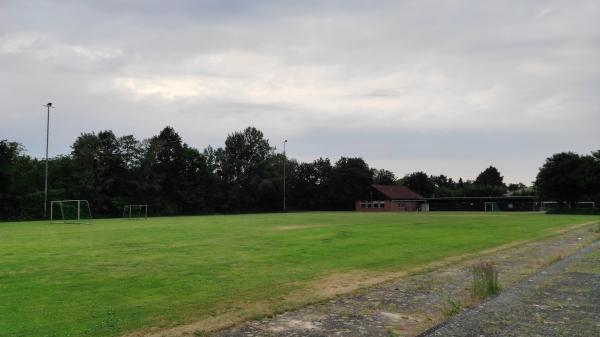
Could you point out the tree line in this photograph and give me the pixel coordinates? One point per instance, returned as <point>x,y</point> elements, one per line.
<point>244,175</point>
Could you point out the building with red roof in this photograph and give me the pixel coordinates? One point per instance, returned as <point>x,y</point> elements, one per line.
<point>391,198</point>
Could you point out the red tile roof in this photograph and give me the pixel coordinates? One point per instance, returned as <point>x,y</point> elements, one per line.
<point>396,192</point>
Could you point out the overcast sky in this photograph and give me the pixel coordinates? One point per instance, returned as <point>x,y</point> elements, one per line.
<point>441,86</point>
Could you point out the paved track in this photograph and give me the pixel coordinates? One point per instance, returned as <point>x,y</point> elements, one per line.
<point>562,300</point>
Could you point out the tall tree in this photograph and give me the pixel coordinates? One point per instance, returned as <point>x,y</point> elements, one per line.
<point>420,183</point>
<point>350,178</point>
<point>243,165</point>
<point>310,185</point>
<point>99,171</point>
<point>383,177</point>
<point>490,177</point>
<point>560,178</point>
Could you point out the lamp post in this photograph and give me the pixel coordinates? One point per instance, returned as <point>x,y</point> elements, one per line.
<point>48,106</point>
<point>284,164</point>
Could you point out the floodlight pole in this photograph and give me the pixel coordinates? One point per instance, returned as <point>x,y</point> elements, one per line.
<point>48,106</point>
<point>284,164</point>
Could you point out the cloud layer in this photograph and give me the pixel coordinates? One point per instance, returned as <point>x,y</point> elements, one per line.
<point>445,87</point>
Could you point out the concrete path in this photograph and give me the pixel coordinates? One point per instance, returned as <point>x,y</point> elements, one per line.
<point>562,300</point>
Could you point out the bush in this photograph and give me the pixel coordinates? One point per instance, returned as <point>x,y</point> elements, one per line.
<point>485,280</point>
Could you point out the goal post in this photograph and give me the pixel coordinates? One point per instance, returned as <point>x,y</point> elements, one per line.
<point>70,211</point>
<point>491,206</point>
<point>135,212</point>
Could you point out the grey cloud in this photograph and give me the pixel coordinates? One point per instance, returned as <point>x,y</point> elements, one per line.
<point>415,85</point>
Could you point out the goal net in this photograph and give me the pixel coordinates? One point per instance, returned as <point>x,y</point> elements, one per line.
<point>70,211</point>
<point>135,211</point>
<point>491,206</point>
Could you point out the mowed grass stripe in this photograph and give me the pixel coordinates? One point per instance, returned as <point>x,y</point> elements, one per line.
<point>117,276</point>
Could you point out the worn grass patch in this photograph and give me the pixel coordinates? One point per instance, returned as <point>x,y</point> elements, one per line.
<point>117,277</point>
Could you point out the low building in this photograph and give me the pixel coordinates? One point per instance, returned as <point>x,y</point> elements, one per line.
<point>485,204</point>
<point>390,198</point>
<point>393,198</point>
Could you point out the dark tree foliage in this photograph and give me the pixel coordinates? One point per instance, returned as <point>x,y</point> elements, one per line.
<point>490,177</point>
<point>245,166</point>
<point>444,186</point>
<point>14,173</point>
<point>515,187</point>
<point>570,177</point>
<point>383,177</point>
<point>246,175</point>
<point>310,185</point>
<point>350,178</point>
<point>420,183</point>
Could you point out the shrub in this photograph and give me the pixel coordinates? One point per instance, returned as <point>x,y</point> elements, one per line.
<point>485,280</point>
<point>582,211</point>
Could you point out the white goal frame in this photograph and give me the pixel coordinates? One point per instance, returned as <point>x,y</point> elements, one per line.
<point>494,204</point>
<point>543,207</point>
<point>128,215</point>
<point>592,203</point>
<point>79,204</point>
<point>544,204</point>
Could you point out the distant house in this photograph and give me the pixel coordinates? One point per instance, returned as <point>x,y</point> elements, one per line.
<point>390,198</point>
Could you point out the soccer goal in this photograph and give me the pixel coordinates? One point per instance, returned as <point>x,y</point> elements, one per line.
<point>548,205</point>
<point>586,204</point>
<point>135,211</point>
<point>491,206</point>
<point>70,211</point>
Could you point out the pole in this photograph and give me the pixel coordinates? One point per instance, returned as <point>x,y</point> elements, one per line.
<point>284,164</point>
<point>49,105</point>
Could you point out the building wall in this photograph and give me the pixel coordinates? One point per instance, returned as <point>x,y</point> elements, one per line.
<point>478,205</point>
<point>406,206</point>
<point>374,206</point>
<point>386,206</point>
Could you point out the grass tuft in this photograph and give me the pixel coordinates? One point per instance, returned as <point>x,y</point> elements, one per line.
<point>552,260</point>
<point>453,307</point>
<point>485,280</point>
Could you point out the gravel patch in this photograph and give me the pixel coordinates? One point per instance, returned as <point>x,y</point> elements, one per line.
<point>413,304</point>
<point>562,300</point>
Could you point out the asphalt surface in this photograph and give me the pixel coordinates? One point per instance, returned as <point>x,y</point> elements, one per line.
<point>561,300</point>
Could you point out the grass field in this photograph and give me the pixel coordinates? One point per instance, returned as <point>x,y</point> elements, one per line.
<point>118,276</point>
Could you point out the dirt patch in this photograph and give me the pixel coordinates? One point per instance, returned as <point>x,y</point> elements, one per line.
<point>295,227</point>
<point>385,304</point>
<point>294,324</point>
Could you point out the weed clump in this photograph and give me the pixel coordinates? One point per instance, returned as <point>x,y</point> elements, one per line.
<point>485,280</point>
<point>452,308</point>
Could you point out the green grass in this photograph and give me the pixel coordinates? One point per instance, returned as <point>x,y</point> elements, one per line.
<point>117,276</point>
